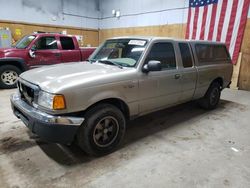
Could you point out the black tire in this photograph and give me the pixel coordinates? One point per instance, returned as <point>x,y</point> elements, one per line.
<point>212,97</point>
<point>98,122</point>
<point>8,76</point>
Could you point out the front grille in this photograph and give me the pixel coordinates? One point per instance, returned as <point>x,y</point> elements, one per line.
<point>28,91</point>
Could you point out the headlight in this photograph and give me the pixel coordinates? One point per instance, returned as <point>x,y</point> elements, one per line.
<point>51,101</point>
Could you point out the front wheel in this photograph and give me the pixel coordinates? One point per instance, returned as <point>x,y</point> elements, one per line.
<point>102,130</point>
<point>8,76</point>
<point>212,97</point>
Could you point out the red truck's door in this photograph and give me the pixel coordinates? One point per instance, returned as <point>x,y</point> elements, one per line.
<point>46,52</point>
<point>70,51</point>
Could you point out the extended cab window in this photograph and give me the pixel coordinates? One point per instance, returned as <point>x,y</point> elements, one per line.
<point>67,43</point>
<point>211,52</point>
<point>163,52</point>
<point>46,43</point>
<point>185,55</point>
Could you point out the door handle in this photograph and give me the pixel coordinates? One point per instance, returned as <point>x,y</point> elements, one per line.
<point>57,54</point>
<point>177,76</point>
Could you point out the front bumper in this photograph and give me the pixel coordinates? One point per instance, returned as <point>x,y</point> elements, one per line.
<point>58,129</point>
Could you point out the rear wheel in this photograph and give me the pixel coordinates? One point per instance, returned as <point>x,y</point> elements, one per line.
<point>8,76</point>
<point>212,97</point>
<point>102,130</point>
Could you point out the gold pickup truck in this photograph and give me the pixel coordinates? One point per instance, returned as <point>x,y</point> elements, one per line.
<point>126,77</point>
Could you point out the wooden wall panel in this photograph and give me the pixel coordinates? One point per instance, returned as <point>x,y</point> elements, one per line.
<point>245,47</point>
<point>173,30</point>
<point>244,77</point>
<point>90,37</point>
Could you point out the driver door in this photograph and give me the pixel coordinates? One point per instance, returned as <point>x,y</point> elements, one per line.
<point>46,52</point>
<point>160,89</point>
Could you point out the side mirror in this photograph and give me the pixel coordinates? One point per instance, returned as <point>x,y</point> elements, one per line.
<point>152,66</point>
<point>32,53</point>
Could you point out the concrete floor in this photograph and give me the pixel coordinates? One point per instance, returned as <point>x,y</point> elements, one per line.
<point>184,146</point>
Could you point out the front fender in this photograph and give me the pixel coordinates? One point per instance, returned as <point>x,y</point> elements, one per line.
<point>19,62</point>
<point>81,102</point>
<point>104,96</point>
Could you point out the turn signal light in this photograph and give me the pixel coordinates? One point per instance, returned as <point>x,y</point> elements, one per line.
<point>59,102</point>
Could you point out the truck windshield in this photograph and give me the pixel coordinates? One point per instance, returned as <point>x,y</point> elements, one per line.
<point>124,52</point>
<point>24,42</point>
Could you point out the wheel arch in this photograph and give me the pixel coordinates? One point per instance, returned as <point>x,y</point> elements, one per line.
<point>18,62</point>
<point>218,80</point>
<point>117,102</point>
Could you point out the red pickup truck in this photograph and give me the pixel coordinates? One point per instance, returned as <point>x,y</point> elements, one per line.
<point>38,50</point>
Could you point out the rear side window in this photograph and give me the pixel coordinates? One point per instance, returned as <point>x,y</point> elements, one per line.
<point>220,52</point>
<point>185,55</point>
<point>163,52</point>
<point>209,53</point>
<point>67,43</point>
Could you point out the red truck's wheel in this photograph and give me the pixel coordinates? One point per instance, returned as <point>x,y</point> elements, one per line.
<point>102,130</point>
<point>8,76</point>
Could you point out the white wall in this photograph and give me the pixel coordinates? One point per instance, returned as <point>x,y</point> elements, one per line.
<point>176,12</point>
<point>55,12</point>
<point>96,13</point>
<point>142,12</point>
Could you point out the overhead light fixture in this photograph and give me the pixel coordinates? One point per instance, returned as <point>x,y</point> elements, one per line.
<point>53,18</point>
<point>116,13</point>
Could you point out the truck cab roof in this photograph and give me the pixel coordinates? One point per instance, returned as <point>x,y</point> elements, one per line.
<point>51,34</point>
<point>152,38</point>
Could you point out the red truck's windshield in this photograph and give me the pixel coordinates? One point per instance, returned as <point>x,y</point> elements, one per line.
<point>25,42</point>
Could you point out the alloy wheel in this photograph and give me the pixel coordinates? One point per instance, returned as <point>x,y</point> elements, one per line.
<point>9,77</point>
<point>106,131</point>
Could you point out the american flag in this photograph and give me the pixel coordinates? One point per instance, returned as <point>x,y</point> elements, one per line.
<point>218,20</point>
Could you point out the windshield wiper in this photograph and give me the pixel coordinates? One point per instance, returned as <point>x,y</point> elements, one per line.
<point>110,62</point>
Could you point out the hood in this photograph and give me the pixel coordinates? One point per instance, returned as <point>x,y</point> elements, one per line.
<point>56,78</point>
<point>5,52</point>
